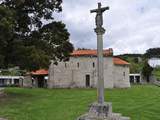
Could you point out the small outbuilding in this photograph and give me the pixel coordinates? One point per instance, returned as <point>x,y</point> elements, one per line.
<point>39,78</point>
<point>6,80</point>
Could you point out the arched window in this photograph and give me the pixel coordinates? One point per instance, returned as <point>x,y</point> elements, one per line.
<point>93,65</point>
<point>65,65</point>
<point>78,64</point>
<point>124,74</point>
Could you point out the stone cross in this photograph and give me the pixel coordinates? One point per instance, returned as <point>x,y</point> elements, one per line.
<point>100,31</point>
<point>100,110</point>
<point>99,16</point>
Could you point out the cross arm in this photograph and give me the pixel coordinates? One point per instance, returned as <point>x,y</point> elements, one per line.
<point>94,10</point>
<point>104,8</point>
<point>101,9</point>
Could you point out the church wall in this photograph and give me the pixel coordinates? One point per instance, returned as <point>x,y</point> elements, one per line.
<point>108,72</point>
<point>59,76</point>
<point>74,72</point>
<point>121,76</point>
<point>85,68</point>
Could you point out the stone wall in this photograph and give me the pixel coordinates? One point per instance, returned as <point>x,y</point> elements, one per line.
<point>121,76</point>
<point>74,72</point>
<point>108,72</point>
<point>27,82</point>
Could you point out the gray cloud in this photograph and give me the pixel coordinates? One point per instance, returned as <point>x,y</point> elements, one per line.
<point>132,26</point>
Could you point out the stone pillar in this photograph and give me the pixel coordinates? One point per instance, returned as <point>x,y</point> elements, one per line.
<point>100,82</point>
<point>100,110</point>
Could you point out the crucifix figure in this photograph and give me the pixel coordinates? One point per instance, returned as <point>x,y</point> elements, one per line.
<point>99,16</point>
<point>100,31</point>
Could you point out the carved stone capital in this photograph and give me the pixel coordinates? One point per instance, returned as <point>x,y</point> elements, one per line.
<point>99,31</point>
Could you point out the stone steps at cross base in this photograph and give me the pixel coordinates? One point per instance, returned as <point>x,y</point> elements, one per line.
<point>118,116</point>
<point>125,118</point>
<point>115,116</point>
<point>102,112</point>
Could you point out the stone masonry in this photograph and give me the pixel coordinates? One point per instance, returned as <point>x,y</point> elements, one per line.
<point>102,112</point>
<point>73,73</point>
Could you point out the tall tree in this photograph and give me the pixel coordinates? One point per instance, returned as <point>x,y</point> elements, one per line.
<point>28,42</point>
<point>147,70</point>
<point>7,25</point>
<point>57,38</point>
<point>152,52</point>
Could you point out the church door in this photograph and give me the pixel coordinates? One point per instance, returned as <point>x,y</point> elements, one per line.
<point>87,80</point>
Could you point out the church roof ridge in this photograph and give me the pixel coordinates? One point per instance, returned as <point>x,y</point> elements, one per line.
<point>119,61</point>
<point>91,52</point>
<point>40,72</point>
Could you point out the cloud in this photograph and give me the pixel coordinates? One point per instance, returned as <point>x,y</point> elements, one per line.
<point>132,26</point>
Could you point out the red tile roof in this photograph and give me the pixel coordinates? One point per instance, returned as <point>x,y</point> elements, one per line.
<point>40,72</point>
<point>118,61</point>
<point>108,52</point>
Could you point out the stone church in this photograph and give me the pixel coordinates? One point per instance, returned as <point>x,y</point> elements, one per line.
<point>81,71</point>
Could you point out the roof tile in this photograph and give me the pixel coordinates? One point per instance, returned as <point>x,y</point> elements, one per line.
<point>118,61</point>
<point>107,52</point>
<point>40,72</point>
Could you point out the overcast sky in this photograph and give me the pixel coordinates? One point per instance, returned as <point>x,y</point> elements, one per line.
<point>132,26</point>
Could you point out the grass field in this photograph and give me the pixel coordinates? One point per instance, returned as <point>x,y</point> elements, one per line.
<point>138,102</point>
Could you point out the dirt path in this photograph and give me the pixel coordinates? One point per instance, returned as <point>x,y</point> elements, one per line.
<point>1,93</point>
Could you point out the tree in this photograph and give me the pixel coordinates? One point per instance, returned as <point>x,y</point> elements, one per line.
<point>30,13</point>
<point>135,61</point>
<point>7,24</point>
<point>147,70</point>
<point>152,52</point>
<point>56,36</point>
<point>25,40</point>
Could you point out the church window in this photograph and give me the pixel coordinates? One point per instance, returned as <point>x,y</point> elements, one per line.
<point>124,73</point>
<point>93,65</point>
<point>65,65</point>
<point>78,64</point>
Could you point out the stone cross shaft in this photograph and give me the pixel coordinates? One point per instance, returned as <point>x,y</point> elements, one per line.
<point>100,31</point>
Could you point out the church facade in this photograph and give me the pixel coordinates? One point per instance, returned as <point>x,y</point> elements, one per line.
<point>81,71</point>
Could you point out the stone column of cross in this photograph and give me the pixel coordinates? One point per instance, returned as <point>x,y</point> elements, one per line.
<point>100,31</point>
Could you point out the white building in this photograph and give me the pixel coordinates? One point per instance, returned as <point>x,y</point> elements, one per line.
<point>81,71</point>
<point>154,62</point>
<point>135,78</point>
<point>11,80</point>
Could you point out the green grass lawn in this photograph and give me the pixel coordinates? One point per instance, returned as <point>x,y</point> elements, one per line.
<point>138,102</point>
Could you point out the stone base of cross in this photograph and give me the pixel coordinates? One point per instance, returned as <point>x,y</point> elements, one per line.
<point>102,112</point>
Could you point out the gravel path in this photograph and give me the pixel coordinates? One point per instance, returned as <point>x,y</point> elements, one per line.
<point>0,93</point>
<point>1,88</point>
